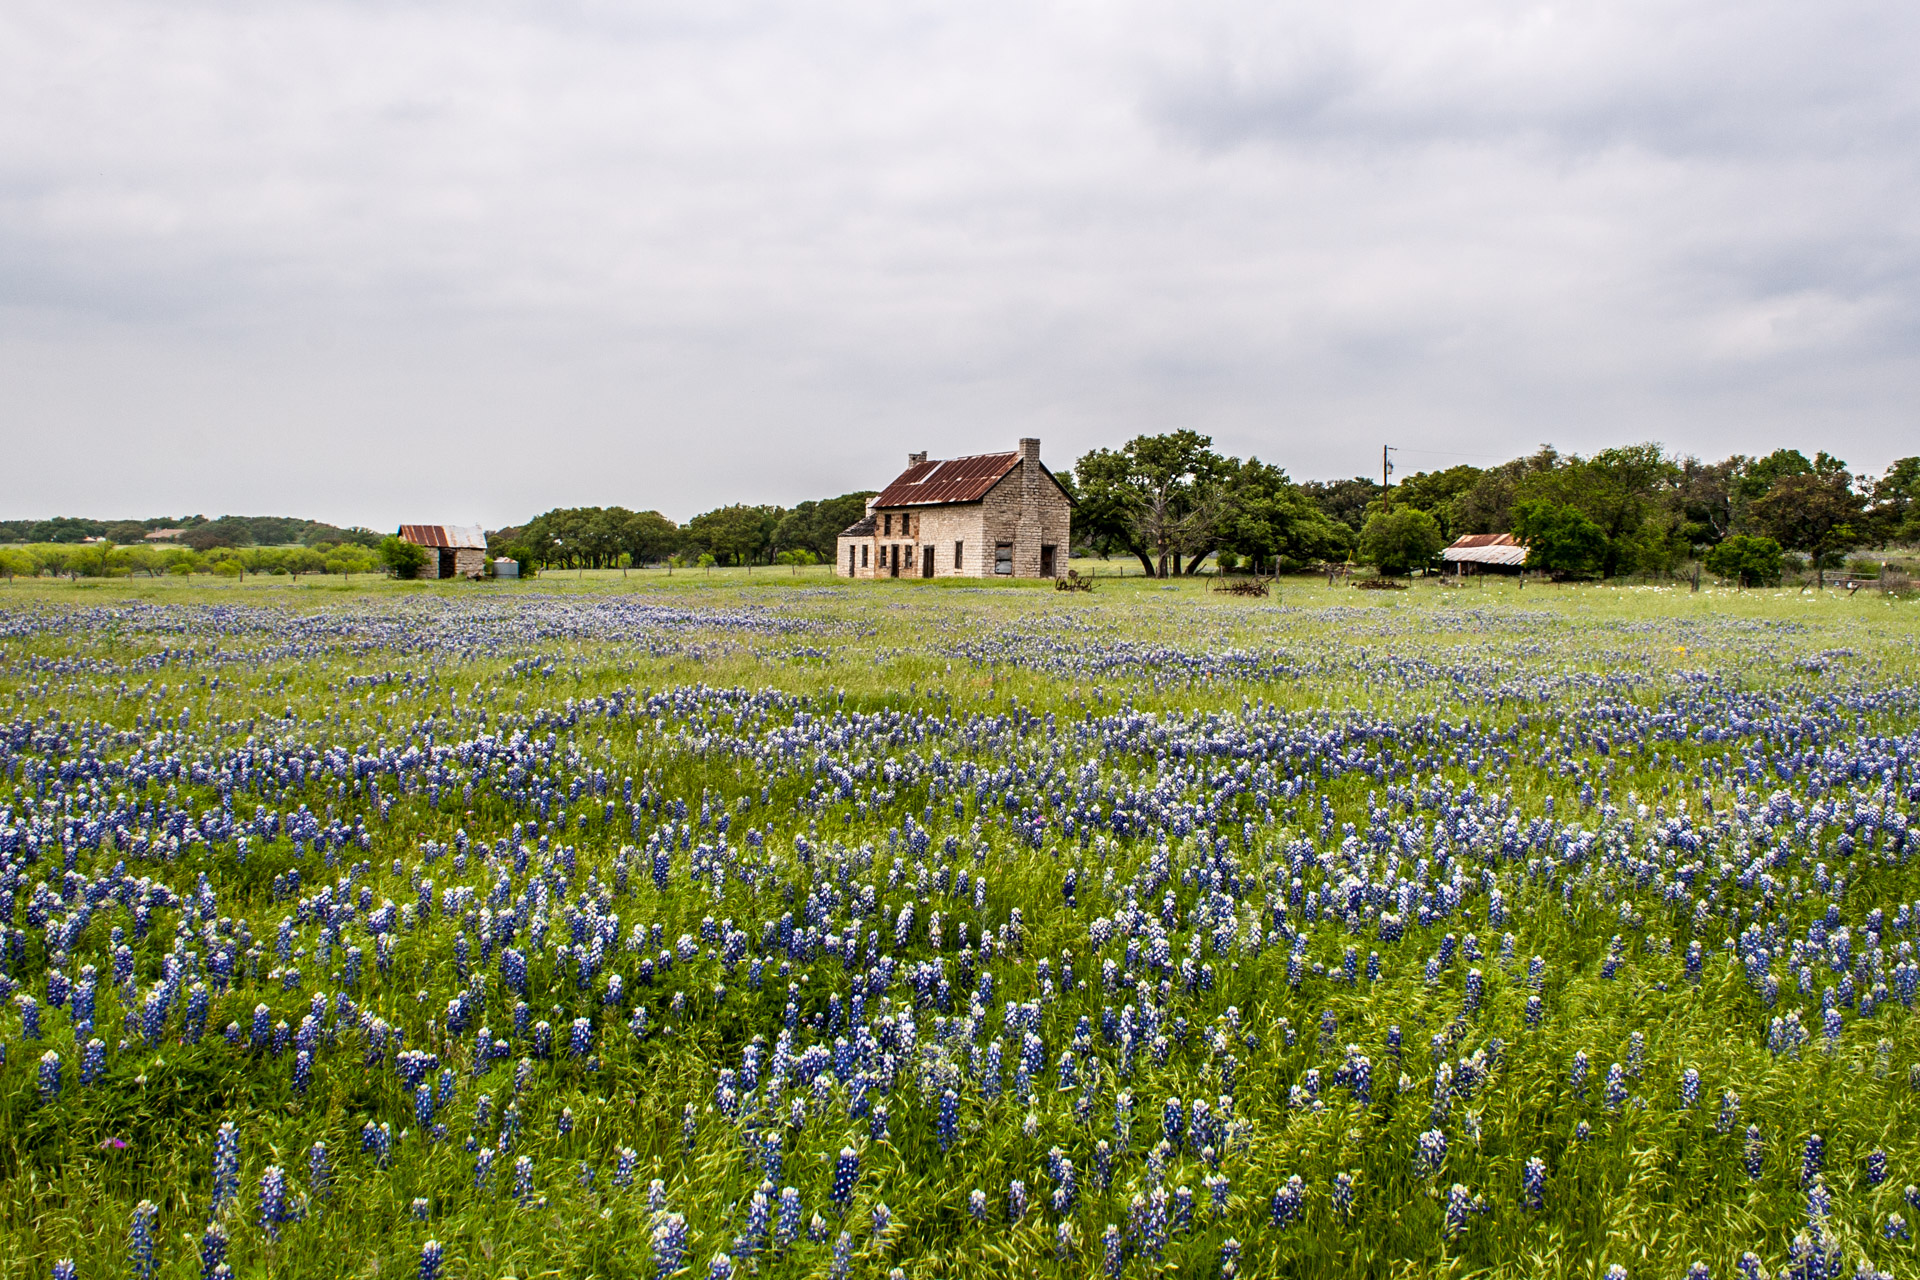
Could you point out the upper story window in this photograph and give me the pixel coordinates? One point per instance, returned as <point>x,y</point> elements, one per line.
<point>886,524</point>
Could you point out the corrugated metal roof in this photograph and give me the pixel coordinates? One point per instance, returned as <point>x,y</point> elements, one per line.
<point>951,480</point>
<point>471,537</point>
<point>1486,548</point>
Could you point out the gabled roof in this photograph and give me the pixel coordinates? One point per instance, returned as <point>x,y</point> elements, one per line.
<point>951,480</point>
<point>461,537</point>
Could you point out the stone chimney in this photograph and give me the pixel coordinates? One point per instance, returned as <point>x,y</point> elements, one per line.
<point>916,459</point>
<point>1028,539</point>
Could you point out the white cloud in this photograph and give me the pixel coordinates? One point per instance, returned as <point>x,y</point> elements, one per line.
<point>469,261</point>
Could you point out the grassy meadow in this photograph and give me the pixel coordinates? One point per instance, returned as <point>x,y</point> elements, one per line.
<point>739,924</point>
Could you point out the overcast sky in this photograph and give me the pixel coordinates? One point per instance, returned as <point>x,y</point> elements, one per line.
<point>373,262</point>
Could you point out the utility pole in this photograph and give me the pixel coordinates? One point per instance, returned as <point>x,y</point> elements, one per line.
<point>1386,470</point>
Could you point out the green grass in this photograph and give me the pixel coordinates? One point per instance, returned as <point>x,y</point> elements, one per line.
<point>927,663</point>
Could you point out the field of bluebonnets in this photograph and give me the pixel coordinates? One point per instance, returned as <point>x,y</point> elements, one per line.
<point>717,928</point>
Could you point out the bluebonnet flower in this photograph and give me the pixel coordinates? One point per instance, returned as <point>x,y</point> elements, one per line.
<point>1429,1153</point>
<point>786,1227</point>
<point>1229,1258</point>
<point>226,1166</point>
<point>977,1204</point>
<point>430,1257</point>
<point>140,1239</point>
<point>523,1179</point>
<point>1458,1203</point>
<point>1876,1168</point>
<point>483,1170</point>
<point>213,1249</point>
<point>1113,1252</point>
<point>1289,1202</point>
<point>65,1270</point>
<point>1577,1074</point>
<point>846,1172</point>
<point>1699,1271</point>
<point>842,1256</point>
<point>1689,1088</point>
<point>319,1171</point>
<point>1533,1183</point>
<point>273,1200</point>
<point>421,1208</point>
<point>93,1061</point>
<point>623,1168</point>
<point>1536,1011</point>
<point>1896,1227</point>
<point>50,1080</point>
<point>1616,1087</point>
<point>721,1268</point>
<point>946,1123</point>
<point>1819,1203</point>
<point>1812,1159</point>
<point>1755,1152</point>
<point>1172,1125</point>
<point>669,1240</point>
<point>1729,1112</point>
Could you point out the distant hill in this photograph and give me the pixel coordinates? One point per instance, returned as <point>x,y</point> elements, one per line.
<point>199,532</point>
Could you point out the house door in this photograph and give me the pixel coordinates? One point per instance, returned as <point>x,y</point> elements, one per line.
<point>1046,562</point>
<point>894,572</point>
<point>926,562</point>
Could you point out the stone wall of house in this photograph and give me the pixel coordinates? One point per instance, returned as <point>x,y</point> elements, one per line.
<point>469,562</point>
<point>1026,509</point>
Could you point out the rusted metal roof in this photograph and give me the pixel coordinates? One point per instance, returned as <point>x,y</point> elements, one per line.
<point>951,480</point>
<point>1486,548</point>
<point>471,537</point>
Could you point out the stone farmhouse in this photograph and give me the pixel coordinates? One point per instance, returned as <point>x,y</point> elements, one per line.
<point>453,551</point>
<point>991,514</point>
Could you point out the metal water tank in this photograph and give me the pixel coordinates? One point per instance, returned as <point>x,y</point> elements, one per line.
<point>505,568</point>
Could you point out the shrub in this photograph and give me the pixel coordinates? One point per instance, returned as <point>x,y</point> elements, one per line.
<point>1754,562</point>
<point>401,556</point>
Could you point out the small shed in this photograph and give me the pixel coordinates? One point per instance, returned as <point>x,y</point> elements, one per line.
<point>1480,551</point>
<point>453,551</point>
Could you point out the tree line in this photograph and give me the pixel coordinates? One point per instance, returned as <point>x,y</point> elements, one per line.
<point>105,559</point>
<point>1171,499</point>
<point>740,534</point>
<point>197,532</point>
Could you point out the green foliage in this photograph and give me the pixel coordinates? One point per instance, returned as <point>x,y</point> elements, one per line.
<point>1440,494</point>
<point>816,525</point>
<point>1816,512</point>
<point>1753,562</point>
<point>1269,521</point>
<point>1344,501</point>
<point>1560,540</point>
<point>399,555</point>
<point>739,534</point>
<point>1400,539</point>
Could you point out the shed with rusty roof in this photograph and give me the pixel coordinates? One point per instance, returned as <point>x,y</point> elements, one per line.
<point>1485,551</point>
<point>988,515</point>
<point>453,550</point>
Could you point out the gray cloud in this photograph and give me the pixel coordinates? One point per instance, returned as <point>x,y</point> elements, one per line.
<point>468,261</point>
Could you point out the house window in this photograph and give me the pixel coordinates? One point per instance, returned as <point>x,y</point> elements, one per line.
<point>863,557</point>
<point>1003,558</point>
<point>909,552</point>
<point>886,525</point>
<point>850,564</point>
<point>959,550</point>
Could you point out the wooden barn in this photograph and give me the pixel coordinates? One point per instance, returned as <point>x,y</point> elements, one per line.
<point>453,551</point>
<point>992,514</point>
